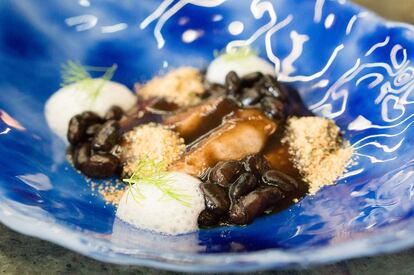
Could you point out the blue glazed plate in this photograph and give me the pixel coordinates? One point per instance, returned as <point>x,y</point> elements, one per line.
<point>348,64</point>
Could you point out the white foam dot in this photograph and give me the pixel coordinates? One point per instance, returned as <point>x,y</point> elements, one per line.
<point>183,21</point>
<point>236,27</point>
<point>217,17</point>
<point>191,35</point>
<point>84,3</point>
<point>329,21</point>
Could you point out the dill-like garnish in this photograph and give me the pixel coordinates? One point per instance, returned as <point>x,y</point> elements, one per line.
<point>74,72</point>
<point>236,53</point>
<point>152,172</point>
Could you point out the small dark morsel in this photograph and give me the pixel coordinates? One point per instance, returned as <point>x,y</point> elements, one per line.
<point>232,83</point>
<point>216,198</point>
<point>81,155</point>
<point>273,88</point>
<point>76,130</point>
<point>114,113</point>
<point>225,172</point>
<point>100,166</point>
<point>207,218</point>
<point>280,180</point>
<point>250,96</point>
<point>106,137</point>
<point>90,118</point>
<point>251,78</point>
<point>93,129</point>
<point>254,204</point>
<point>256,164</point>
<point>242,186</point>
<point>273,107</point>
<point>214,89</point>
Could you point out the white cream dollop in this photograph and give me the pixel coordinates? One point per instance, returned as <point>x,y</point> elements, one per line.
<point>76,98</point>
<point>149,208</point>
<point>222,65</point>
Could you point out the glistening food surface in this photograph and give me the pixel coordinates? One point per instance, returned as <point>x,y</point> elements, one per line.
<point>199,151</point>
<point>368,210</point>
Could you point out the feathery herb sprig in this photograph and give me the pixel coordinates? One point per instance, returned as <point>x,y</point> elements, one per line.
<point>236,53</point>
<point>74,72</point>
<point>152,172</point>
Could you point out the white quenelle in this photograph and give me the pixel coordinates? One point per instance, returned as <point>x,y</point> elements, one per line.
<point>242,64</point>
<point>78,97</point>
<point>148,207</point>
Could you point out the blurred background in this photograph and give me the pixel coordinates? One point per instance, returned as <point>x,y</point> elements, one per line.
<point>399,10</point>
<point>25,255</point>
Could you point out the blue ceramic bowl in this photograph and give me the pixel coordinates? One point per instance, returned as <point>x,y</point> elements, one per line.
<point>348,64</point>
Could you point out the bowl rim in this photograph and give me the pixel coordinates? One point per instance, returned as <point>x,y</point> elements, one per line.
<point>98,249</point>
<point>48,229</point>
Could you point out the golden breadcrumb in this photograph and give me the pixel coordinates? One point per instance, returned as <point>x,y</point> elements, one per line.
<point>110,191</point>
<point>153,140</point>
<point>317,150</point>
<point>182,86</point>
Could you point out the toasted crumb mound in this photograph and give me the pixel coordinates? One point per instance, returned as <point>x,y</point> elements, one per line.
<point>182,86</point>
<point>317,150</point>
<point>153,140</point>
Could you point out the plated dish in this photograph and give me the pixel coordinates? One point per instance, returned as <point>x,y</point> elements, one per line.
<point>197,150</point>
<point>361,80</point>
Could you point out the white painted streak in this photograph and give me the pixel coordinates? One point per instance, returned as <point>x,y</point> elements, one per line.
<point>318,11</point>
<point>351,24</point>
<point>258,9</point>
<point>114,28</point>
<point>157,13</point>
<point>329,21</point>
<point>268,43</point>
<point>82,22</point>
<point>304,78</point>
<point>297,48</point>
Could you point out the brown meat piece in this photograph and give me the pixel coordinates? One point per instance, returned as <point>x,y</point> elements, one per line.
<point>198,120</point>
<point>243,133</point>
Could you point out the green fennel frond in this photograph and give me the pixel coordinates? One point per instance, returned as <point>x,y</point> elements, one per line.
<point>236,53</point>
<point>152,172</point>
<point>73,72</point>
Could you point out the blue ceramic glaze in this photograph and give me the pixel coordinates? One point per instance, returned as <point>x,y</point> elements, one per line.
<point>348,64</point>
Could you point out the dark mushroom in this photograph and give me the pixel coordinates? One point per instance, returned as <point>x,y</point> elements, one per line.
<point>281,180</point>
<point>242,186</point>
<point>81,155</point>
<point>251,78</point>
<point>225,172</point>
<point>256,164</point>
<point>207,218</point>
<point>76,130</point>
<point>273,88</point>
<point>254,204</point>
<point>232,83</point>
<point>107,136</point>
<point>114,113</point>
<point>273,107</point>
<point>216,198</point>
<point>101,165</point>
<point>250,96</point>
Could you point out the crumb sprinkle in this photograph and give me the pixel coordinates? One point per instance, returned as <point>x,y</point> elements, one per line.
<point>182,86</point>
<point>317,150</point>
<point>157,141</point>
<point>111,191</point>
